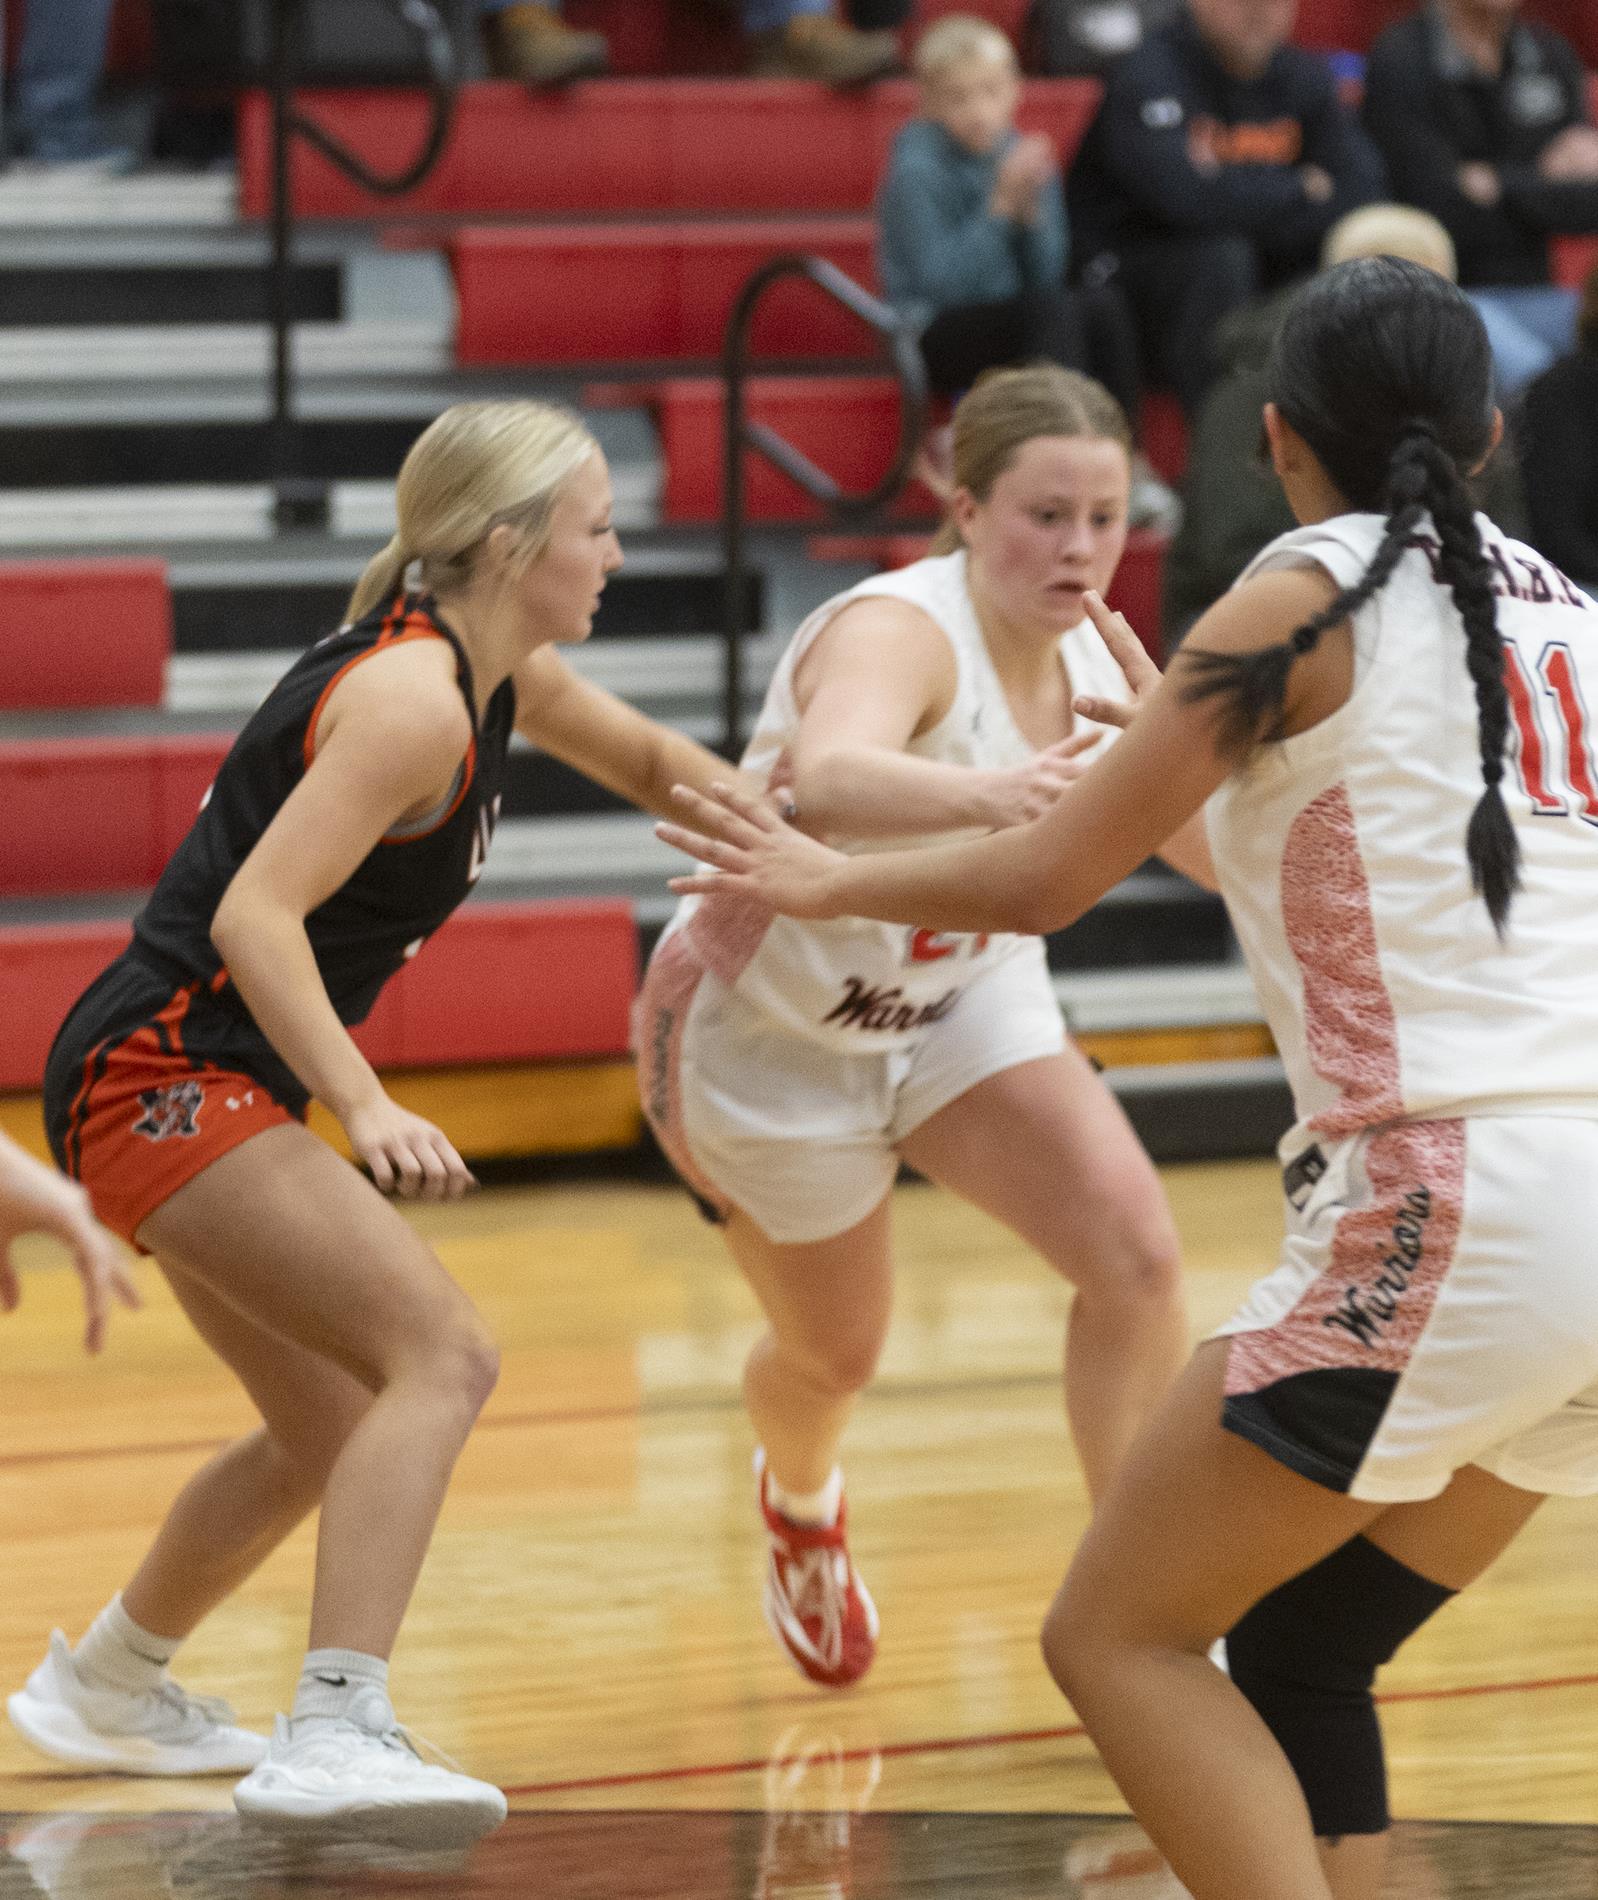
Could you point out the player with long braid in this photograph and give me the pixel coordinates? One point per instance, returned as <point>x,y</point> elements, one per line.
<point>1387,721</point>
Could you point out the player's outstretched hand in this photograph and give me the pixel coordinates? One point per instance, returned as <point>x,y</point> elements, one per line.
<point>1130,654</point>
<point>35,1199</point>
<point>407,1155</point>
<point>1027,791</point>
<point>755,854</point>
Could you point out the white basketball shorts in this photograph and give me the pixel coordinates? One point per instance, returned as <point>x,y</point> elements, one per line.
<point>1436,1307</point>
<point>799,1136</point>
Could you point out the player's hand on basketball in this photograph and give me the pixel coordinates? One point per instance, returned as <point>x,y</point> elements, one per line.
<point>1130,654</point>
<point>408,1157</point>
<point>755,854</point>
<point>1026,792</point>
<point>35,1199</point>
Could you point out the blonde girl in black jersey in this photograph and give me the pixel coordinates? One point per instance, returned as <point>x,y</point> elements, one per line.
<point>347,821</point>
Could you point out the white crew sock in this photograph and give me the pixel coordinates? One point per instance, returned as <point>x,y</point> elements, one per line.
<point>120,1654</point>
<point>339,1684</point>
<point>816,1510</point>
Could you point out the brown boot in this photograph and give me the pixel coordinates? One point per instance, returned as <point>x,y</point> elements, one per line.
<point>817,46</point>
<point>534,44</point>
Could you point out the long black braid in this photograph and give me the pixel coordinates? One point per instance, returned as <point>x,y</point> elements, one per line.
<point>1383,368</point>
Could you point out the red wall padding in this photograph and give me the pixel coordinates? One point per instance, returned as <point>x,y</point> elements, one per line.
<point>498,983</point>
<point>615,292</point>
<point>44,968</point>
<point>83,633</point>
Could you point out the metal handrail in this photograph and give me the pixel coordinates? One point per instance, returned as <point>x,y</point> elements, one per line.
<point>741,435</point>
<point>302,503</point>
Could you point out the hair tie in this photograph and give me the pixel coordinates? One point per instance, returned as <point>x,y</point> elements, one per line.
<point>1304,639</point>
<point>1419,429</point>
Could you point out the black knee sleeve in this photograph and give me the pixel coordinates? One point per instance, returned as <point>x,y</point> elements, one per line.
<point>1306,1656</point>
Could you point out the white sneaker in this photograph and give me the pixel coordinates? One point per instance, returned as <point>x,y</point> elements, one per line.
<point>352,1777</point>
<point>159,1731</point>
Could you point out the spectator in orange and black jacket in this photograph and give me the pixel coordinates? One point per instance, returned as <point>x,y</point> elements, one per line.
<point>1218,161</point>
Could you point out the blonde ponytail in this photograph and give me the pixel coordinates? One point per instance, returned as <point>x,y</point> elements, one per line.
<point>381,579</point>
<point>477,467</point>
<point>1004,409</point>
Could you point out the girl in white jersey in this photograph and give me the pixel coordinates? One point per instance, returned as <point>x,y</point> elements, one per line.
<point>1388,717</point>
<point>788,1067</point>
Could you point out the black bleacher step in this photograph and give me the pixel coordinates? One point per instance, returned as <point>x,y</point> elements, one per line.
<point>637,604</point>
<point>1154,917</point>
<point>35,296</point>
<point>138,454</point>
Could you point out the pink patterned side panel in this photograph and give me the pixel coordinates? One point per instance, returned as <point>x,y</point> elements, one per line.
<point>660,1016</point>
<point>1388,1261</point>
<point>724,933</point>
<point>1349,1025</point>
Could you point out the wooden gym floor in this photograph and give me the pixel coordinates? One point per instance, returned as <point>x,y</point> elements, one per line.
<point>588,1633</point>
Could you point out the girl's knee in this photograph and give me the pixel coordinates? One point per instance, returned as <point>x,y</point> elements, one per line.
<point>1135,1264</point>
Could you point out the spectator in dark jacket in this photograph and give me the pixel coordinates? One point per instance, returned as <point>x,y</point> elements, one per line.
<point>1218,161</point>
<point>1088,36</point>
<point>1559,453</point>
<point>1483,120</point>
<point>1233,504</point>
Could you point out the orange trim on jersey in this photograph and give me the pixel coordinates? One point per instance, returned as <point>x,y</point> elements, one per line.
<point>396,628</point>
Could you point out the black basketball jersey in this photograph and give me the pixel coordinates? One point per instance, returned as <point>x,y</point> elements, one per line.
<point>398,895</point>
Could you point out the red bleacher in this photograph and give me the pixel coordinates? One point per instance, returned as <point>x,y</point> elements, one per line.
<point>497,983</point>
<point>98,814</point>
<point>83,633</point>
<point>622,145</point>
<point>598,293</point>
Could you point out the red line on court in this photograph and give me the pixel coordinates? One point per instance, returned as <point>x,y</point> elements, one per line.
<point>160,1448</point>
<point>953,1744</point>
<point>664,1406</point>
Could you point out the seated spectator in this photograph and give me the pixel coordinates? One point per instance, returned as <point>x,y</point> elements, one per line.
<point>805,39</point>
<point>1233,504</point>
<point>532,43</point>
<point>1219,159</point>
<point>55,90</point>
<point>1086,36</point>
<point>1483,120</point>
<point>1558,440</point>
<point>971,232</point>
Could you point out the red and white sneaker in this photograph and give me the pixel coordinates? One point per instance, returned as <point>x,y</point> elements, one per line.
<point>815,1602</point>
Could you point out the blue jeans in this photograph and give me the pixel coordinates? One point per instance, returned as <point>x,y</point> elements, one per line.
<point>57,80</point>
<point>767,16</point>
<point>1529,328</point>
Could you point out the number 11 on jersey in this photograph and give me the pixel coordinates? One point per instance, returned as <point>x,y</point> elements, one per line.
<point>1561,689</point>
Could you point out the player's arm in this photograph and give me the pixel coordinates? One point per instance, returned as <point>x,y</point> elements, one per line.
<point>390,741</point>
<point>1040,876</point>
<point>607,740</point>
<point>1187,850</point>
<point>35,1199</point>
<point>878,675</point>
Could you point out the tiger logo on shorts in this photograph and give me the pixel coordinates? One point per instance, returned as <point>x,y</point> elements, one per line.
<point>173,1110</point>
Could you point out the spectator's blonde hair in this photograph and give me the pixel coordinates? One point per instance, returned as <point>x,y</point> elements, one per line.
<point>959,39</point>
<point>1388,230</point>
<point>478,466</point>
<point>1006,408</point>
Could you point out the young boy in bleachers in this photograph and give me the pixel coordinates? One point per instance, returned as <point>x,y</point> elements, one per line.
<point>972,241</point>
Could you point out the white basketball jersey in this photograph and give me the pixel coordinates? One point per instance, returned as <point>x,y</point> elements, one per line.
<point>850,983</point>
<point>1341,854</point>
